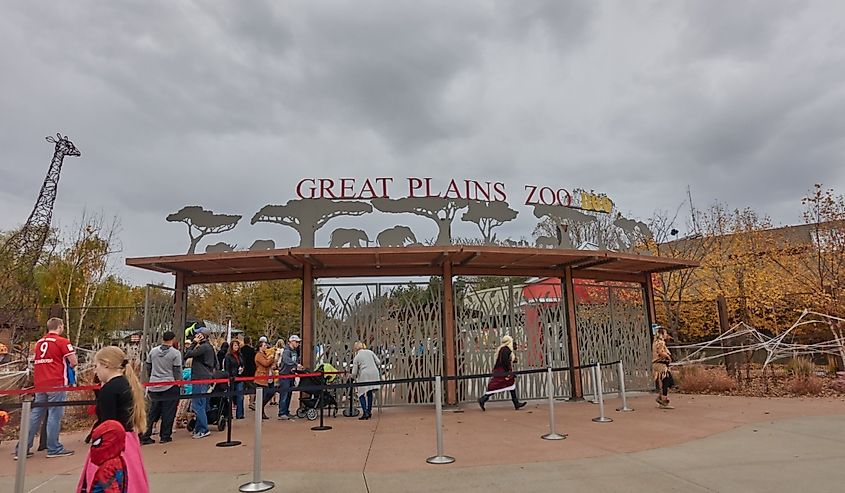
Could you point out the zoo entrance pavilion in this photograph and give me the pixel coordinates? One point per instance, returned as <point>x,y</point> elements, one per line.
<point>613,325</point>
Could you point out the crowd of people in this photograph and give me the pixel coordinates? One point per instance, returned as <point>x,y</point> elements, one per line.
<point>126,412</point>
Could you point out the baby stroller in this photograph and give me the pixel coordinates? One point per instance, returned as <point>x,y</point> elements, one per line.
<point>218,406</point>
<point>311,400</point>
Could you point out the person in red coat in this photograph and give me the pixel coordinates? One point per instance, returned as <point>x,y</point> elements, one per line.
<point>108,441</point>
<point>503,379</point>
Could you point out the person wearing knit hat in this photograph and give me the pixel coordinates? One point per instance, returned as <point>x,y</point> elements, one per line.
<point>503,379</point>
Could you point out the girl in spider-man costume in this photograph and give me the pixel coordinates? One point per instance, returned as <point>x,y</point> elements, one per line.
<point>108,440</point>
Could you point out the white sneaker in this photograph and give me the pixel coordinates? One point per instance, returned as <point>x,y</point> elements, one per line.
<point>201,435</point>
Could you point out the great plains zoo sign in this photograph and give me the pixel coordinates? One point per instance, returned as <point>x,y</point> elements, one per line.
<point>485,191</point>
<point>569,218</point>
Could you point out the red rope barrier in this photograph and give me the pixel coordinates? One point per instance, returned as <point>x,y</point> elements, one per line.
<point>179,383</point>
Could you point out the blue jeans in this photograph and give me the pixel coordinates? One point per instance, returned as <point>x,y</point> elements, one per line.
<point>366,400</point>
<point>239,399</point>
<point>285,385</point>
<point>54,421</point>
<point>199,405</point>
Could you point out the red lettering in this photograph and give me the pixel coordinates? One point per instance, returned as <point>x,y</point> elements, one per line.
<point>428,189</point>
<point>345,186</point>
<point>531,189</point>
<point>326,185</point>
<point>311,189</point>
<point>499,192</point>
<point>414,184</point>
<point>566,201</point>
<point>452,188</point>
<point>479,191</point>
<point>367,188</point>
<point>543,199</point>
<point>383,182</point>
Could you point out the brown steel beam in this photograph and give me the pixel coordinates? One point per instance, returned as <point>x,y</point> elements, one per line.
<point>449,334</point>
<point>606,275</point>
<point>307,352</point>
<point>472,270</point>
<point>472,256</point>
<point>384,271</point>
<point>245,277</point>
<point>593,262</point>
<point>572,347</point>
<point>284,262</point>
<point>180,307</point>
<point>438,260</point>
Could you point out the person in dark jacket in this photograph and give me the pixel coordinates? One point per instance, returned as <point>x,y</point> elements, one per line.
<point>248,358</point>
<point>221,354</point>
<point>290,361</point>
<point>503,379</point>
<point>233,365</point>
<point>203,364</point>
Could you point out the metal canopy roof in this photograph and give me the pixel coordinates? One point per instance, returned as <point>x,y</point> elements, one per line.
<point>287,263</point>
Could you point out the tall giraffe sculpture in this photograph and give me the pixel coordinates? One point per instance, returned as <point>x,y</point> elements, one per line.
<point>22,251</point>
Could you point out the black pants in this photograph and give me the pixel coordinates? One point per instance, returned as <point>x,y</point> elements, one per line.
<point>665,384</point>
<point>514,398</point>
<point>162,405</point>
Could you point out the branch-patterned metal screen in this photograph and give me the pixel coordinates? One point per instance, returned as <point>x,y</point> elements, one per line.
<point>537,324</point>
<point>401,323</point>
<point>612,326</point>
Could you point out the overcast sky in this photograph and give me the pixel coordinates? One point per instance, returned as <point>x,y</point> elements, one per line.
<point>228,104</point>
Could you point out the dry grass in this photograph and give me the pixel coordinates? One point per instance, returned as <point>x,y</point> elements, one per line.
<point>801,367</point>
<point>809,385</point>
<point>701,379</point>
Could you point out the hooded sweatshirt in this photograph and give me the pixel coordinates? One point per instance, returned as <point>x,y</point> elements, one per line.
<point>164,364</point>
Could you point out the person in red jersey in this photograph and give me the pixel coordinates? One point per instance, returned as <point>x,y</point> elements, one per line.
<point>53,356</point>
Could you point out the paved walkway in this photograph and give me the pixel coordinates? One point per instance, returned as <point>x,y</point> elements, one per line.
<point>708,443</point>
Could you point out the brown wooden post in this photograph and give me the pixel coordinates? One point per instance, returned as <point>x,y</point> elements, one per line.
<point>180,307</point>
<point>307,315</point>
<point>449,333</point>
<point>568,295</point>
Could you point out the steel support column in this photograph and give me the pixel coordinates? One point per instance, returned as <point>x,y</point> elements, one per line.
<point>180,307</point>
<point>307,315</point>
<point>568,295</point>
<point>449,333</point>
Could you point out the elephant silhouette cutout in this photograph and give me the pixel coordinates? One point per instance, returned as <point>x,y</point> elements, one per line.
<point>262,245</point>
<point>396,236</point>
<point>220,247</point>
<point>348,237</point>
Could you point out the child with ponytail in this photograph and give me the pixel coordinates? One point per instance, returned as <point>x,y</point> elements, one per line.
<point>121,399</point>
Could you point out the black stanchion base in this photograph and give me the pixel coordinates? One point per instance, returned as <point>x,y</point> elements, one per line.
<point>229,443</point>
<point>321,428</point>
<point>351,414</point>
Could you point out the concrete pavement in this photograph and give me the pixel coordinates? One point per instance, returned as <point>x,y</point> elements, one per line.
<point>708,443</point>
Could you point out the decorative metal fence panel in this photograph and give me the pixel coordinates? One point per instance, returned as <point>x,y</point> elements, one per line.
<point>158,316</point>
<point>612,326</point>
<point>401,323</point>
<point>537,324</point>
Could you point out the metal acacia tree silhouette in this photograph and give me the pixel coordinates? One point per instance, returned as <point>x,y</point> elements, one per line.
<point>488,216</point>
<point>24,248</point>
<point>568,224</point>
<point>439,209</point>
<point>307,216</point>
<point>204,222</point>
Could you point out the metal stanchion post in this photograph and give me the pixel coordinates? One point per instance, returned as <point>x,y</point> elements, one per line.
<point>322,426</point>
<point>600,392</point>
<point>552,434</point>
<point>257,484</point>
<point>229,442</point>
<point>594,376</point>
<point>23,443</point>
<point>350,412</point>
<point>438,422</point>
<point>622,395</point>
